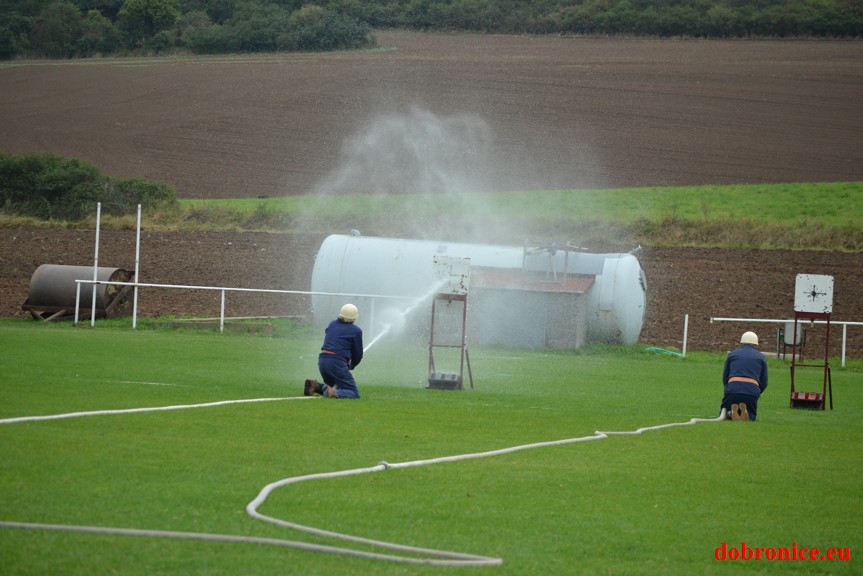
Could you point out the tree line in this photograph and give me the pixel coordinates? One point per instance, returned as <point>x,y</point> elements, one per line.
<point>85,28</point>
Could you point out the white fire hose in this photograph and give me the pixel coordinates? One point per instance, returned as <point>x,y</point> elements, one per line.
<point>425,556</point>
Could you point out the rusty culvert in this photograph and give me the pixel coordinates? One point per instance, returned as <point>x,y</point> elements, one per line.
<point>53,290</point>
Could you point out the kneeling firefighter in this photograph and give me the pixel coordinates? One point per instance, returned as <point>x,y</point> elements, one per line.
<point>744,378</point>
<point>341,352</point>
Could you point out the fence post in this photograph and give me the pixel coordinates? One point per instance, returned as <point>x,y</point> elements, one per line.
<point>222,313</point>
<point>685,332</point>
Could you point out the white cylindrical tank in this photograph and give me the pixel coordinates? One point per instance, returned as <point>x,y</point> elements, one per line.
<point>402,269</point>
<point>616,302</point>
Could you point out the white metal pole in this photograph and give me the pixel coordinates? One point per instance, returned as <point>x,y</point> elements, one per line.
<point>137,271</point>
<point>77,300</point>
<point>755,320</point>
<point>96,264</point>
<point>844,338</point>
<point>372,318</point>
<point>812,322</point>
<point>222,314</point>
<point>685,332</point>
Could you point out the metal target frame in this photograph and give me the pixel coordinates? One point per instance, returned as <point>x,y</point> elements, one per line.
<point>813,300</point>
<point>453,275</point>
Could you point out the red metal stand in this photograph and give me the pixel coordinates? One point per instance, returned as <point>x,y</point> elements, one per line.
<point>811,400</point>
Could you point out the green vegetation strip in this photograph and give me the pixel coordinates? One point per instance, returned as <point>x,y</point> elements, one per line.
<point>50,191</point>
<point>47,28</point>
<point>826,216</point>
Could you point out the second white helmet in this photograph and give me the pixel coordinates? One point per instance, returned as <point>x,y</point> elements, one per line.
<point>349,313</point>
<point>749,338</point>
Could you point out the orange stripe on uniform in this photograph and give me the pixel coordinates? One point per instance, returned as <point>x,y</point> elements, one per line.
<point>744,379</point>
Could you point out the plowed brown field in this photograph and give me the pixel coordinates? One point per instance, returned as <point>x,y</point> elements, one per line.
<point>539,112</point>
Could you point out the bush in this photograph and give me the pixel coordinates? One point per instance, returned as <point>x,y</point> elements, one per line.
<point>57,29</point>
<point>51,187</point>
<point>269,28</point>
<point>209,40</point>
<point>99,36</point>
<point>121,197</point>
<point>67,28</point>
<point>330,32</point>
<point>8,46</point>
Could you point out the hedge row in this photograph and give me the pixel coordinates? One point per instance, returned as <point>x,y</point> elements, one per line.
<point>51,187</point>
<point>67,28</point>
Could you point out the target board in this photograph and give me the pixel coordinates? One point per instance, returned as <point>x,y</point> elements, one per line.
<point>813,293</point>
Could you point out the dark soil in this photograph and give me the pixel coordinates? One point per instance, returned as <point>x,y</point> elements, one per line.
<point>702,283</point>
<point>559,112</point>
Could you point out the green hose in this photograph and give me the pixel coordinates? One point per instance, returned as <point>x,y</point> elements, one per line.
<point>663,351</point>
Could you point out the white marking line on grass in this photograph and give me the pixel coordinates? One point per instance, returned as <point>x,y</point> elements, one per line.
<point>145,383</point>
<point>434,557</point>
<point>141,410</point>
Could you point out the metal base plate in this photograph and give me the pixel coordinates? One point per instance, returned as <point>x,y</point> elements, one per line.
<point>444,381</point>
<point>807,400</point>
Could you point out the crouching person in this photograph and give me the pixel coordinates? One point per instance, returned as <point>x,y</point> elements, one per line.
<point>341,352</point>
<point>744,379</point>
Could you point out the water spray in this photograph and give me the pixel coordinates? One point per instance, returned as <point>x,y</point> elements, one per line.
<point>403,314</point>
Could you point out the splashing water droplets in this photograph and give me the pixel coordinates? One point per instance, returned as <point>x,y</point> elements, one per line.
<point>413,153</point>
<point>395,319</point>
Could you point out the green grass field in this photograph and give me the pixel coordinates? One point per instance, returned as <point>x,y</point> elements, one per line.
<point>836,203</point>
<point>811,216</point>
<point>657,503</point>
<point>792,216</point>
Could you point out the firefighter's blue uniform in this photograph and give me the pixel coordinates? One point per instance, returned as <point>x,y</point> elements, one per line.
<point>744,378</point>
<point>341,352</point>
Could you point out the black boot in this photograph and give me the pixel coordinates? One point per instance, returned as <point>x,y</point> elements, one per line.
<point>311,388</point>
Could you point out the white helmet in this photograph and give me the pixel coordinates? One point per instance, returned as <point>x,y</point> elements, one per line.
<point>749,338</point>
<point>349,313</point>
